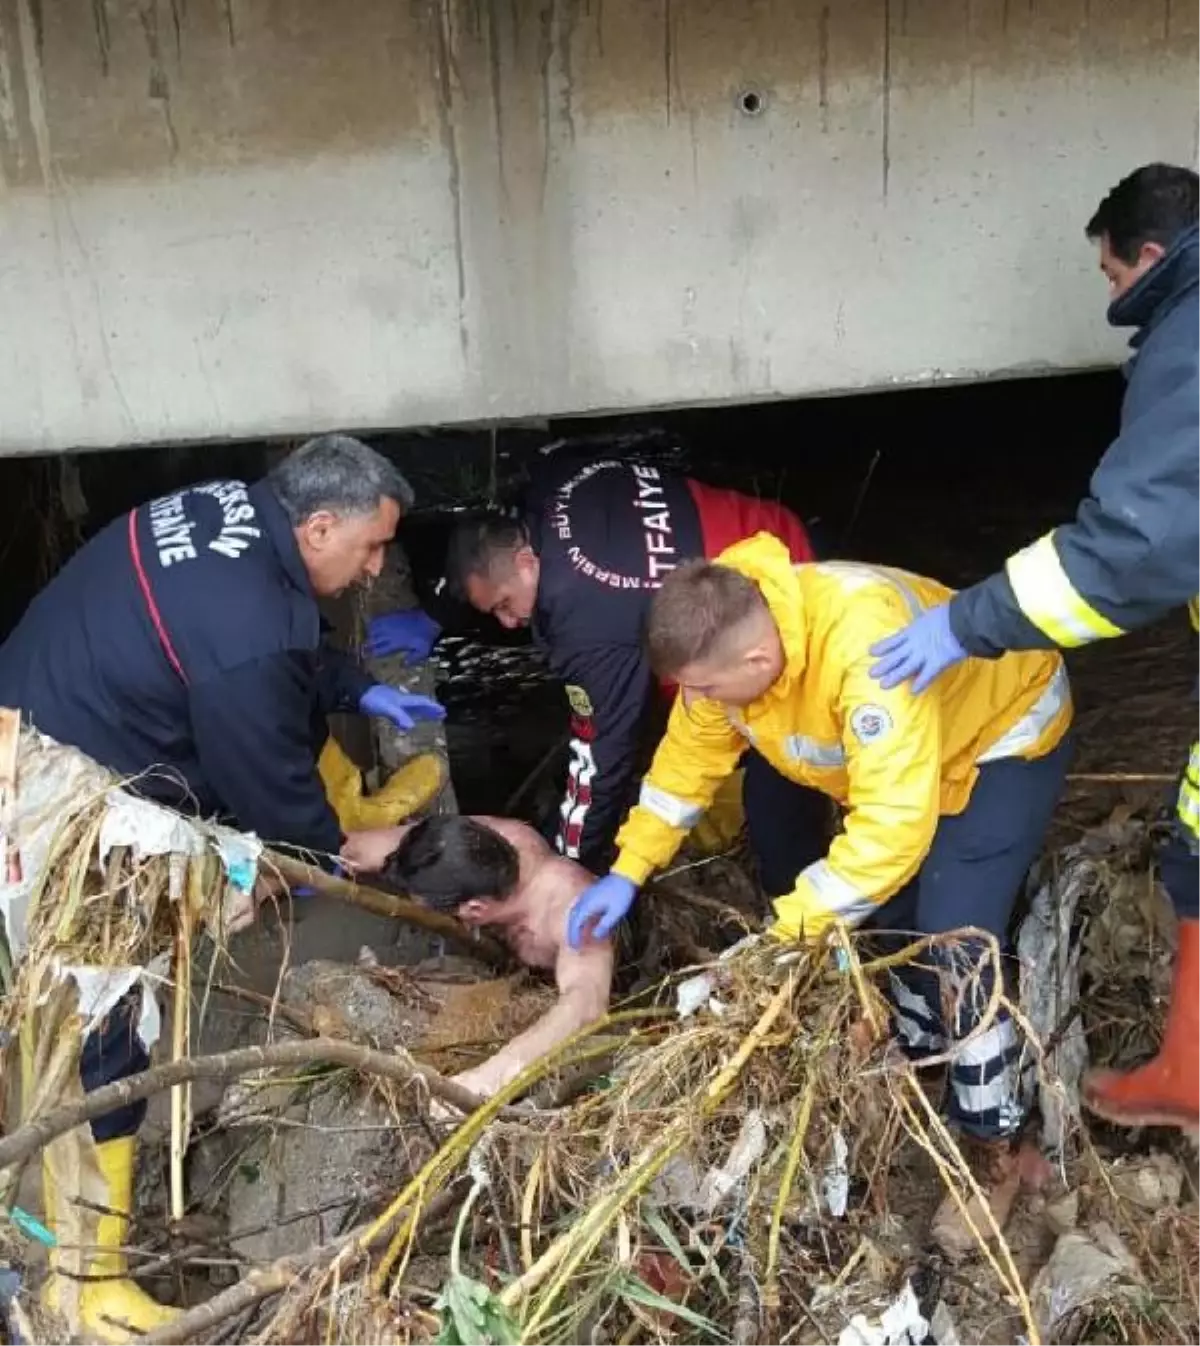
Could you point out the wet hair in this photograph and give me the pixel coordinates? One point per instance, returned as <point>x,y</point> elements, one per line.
<point>340,474</point>
<point>477,548</point>
<point>446,861</point>
<point>1154,204</point>
<point>694,614</point>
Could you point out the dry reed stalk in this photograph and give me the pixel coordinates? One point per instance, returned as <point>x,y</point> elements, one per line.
<point>582,1174</point>
<point>180,1025</point>
<point>574,1246</point>
<point>945,1154</point>
<point>795,1153</point>
<point>447,1159</point>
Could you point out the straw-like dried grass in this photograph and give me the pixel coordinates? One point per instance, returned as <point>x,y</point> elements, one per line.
<point>686,1194</point>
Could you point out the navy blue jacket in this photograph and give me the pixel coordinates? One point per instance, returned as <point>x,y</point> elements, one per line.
<point>1130,555</point>
<point>607,531</point>
<point>235,730</point>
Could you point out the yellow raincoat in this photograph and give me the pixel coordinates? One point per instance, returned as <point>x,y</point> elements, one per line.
<point>895,760</point>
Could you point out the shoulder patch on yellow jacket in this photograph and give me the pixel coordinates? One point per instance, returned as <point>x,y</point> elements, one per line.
<point>869,723</point>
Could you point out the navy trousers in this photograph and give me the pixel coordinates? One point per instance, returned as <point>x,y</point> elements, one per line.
<point>114,1052</point>
<point>788,824</point>
<point>972,876</point>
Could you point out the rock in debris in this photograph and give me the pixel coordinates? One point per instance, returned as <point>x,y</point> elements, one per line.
<point>1062,1216</point>
<point>325,1153</point>
<point>336,1154</point>
<point>1151,1183</point>
<point>334,1147</point>
<point>348,1002</point>
<point>1079,1275</point>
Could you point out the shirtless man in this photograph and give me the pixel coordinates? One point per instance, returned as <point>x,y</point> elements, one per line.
<point>500,873</point>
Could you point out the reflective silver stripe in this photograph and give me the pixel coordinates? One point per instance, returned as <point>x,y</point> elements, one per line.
<point>987,1046</point>
<point>839,895</point>
<point>912,1013</point>
<point>1045,594</point>
<point>1034,723</point>
<point>857,575</point>
<point>802,748</point>
<point>914,1036</point>
<point>905,998</point>
<point>670,808</point>
<point>1002,1094</point>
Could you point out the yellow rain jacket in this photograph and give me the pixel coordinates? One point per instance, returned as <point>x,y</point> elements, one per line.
<point>895,760</point>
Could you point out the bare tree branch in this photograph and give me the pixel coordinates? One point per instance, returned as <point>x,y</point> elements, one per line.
<point>34,1135</point>
<point>261,1284</point>
<point>250,1290</point>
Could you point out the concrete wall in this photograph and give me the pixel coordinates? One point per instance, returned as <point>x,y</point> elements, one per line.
<point>261,217</point>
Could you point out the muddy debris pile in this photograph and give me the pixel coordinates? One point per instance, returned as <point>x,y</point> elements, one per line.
<point>734,1153</point>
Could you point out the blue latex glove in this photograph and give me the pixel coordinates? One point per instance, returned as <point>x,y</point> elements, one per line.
<point>925,649</point>
<point>412,633</point>
<point>605,903</point>
<point>404,709</point>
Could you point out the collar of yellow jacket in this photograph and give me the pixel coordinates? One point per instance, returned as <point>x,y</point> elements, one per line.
<point>765,560</point>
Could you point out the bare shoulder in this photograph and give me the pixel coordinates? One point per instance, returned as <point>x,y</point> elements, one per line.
<point>528,840</point>
<point>569,876</point>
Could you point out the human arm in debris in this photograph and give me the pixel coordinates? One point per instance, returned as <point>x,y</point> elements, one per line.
<point>892,742</point>
<point>608,688</point>
<point>584,981</point>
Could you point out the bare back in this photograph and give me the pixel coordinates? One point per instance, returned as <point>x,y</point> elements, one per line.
<point>548,886</point>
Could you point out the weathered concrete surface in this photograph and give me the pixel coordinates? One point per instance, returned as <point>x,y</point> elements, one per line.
<point>242,218</point>
<point>341,1147</point>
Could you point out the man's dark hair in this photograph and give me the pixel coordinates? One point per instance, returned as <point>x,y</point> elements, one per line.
<point>446,861</point>
<point>1154,204</point>
<point>478,547</point>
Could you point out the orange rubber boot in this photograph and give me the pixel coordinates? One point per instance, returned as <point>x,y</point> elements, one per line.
<point>1166,1090</point>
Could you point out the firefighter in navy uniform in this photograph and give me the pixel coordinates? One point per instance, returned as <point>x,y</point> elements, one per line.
<point>1129,557</point>
<point>580,566</point>
<point>183,646</point>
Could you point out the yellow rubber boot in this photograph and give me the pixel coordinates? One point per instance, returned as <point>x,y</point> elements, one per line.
<point>719,828</point>
<point>409,789</point>
<point>114,1309</point>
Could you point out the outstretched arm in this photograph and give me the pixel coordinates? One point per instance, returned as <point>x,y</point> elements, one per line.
<point>584,978</point>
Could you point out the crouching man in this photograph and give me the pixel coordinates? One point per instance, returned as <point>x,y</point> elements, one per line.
<point>947,796</point>
<point>501,874</point>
